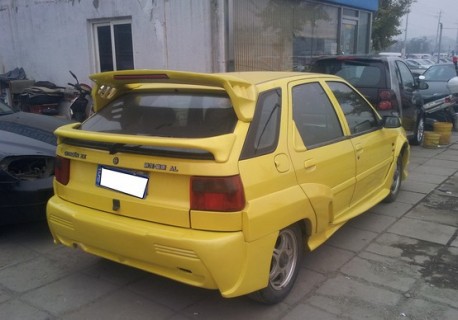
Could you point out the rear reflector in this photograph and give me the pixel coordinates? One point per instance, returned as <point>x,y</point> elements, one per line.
<point>217,194</point>
<point>140,76</point>
<point>384,105</point>
<point>386,100</point>
<point>62,170</point>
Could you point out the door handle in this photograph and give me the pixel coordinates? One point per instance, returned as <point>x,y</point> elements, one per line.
<point>358,147</point>
<point>310,164</point>
<point>358,150</point>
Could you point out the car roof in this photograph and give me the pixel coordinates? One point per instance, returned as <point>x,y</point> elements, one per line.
<point>258,77</point>
<point>444,65</point>
<point>359,57</point>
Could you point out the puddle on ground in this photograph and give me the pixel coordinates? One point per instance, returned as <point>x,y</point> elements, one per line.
<point>445,197</point>
<point>440,269</point>
<point>440,200</point>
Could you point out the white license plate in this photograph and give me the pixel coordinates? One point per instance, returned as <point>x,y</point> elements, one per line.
<point>122,181</point>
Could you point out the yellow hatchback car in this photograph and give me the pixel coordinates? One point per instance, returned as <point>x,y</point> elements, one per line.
<point>221,181</point>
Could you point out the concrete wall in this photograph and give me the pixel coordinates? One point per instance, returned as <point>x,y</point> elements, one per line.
<point>49,37</point>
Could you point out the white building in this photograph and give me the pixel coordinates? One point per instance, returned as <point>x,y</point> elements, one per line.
<point>49,37</point>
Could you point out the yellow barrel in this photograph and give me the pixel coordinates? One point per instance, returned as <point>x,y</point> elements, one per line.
<point>431,139</point>
<point>445,131</point>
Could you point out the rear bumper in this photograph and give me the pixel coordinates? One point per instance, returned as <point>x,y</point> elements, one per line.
<point>213,260</point>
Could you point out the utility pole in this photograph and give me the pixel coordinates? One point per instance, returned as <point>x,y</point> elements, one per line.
<point>404,47</point>
<point>440,40</point>
<point>455,50</point>
<point>437,32</point>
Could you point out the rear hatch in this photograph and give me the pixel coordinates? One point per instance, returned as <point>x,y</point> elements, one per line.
<point>367,75</point>
<point>151,145</point>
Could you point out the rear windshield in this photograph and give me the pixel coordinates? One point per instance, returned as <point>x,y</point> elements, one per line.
<point>176,115</point>
<point>361,74</point>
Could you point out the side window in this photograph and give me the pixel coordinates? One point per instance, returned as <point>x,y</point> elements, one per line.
<point>264,130</point>
<point>113,45</point>
<point>406,76</point>
<point>314,115</point>
<point>359,114</point>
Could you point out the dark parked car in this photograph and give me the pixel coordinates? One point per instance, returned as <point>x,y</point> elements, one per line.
<point>27,152</point>
<point>386,82</point>
<point>437,77</point>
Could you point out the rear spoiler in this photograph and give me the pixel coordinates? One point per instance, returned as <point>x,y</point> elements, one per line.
<point>219,146</point>
<point>109,85</point>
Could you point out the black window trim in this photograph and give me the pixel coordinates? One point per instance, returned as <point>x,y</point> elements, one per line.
<point>248,150</point>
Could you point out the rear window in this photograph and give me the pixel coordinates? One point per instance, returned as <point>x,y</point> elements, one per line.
<point>361,74</point>
<point>176,115</point>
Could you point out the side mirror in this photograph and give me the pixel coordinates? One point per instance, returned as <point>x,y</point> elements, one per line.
<point>391,122</point>
<point>421,84</point>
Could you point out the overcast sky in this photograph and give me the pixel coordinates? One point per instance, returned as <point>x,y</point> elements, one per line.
<point>424,17</point>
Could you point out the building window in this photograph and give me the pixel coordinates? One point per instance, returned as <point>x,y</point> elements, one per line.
<point>363,32</point>
<point>113,45</point>
<point>349,36</point>
<point>282,35</point>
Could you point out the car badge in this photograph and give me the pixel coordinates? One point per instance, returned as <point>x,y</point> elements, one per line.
<point>115,160</point>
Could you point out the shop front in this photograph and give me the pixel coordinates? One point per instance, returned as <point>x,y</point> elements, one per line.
<point>288,34</point>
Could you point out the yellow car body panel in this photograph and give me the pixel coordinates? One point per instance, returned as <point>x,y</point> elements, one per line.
<point>187,255</point>
<point>162,231</point>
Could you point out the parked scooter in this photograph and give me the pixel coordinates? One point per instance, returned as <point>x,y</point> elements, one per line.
<point>80,106</point>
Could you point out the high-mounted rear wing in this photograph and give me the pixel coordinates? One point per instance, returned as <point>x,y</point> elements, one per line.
<point>219,146</point>
<point>109,85</point>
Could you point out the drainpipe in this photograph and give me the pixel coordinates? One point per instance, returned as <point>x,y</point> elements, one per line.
<point>220,38</point>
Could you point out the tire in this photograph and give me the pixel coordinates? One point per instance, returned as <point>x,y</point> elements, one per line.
<point>285,265</point>
<point>396,183</point>
<point>419,132</point>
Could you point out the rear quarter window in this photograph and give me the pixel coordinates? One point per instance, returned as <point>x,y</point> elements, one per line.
<point>263,135</point>
<point>166,115</point>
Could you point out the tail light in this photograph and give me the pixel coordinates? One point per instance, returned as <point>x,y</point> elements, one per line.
<point>217,194</point>
<point>450,99</point>
<point>62,170</point>
<point>387,100</point>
